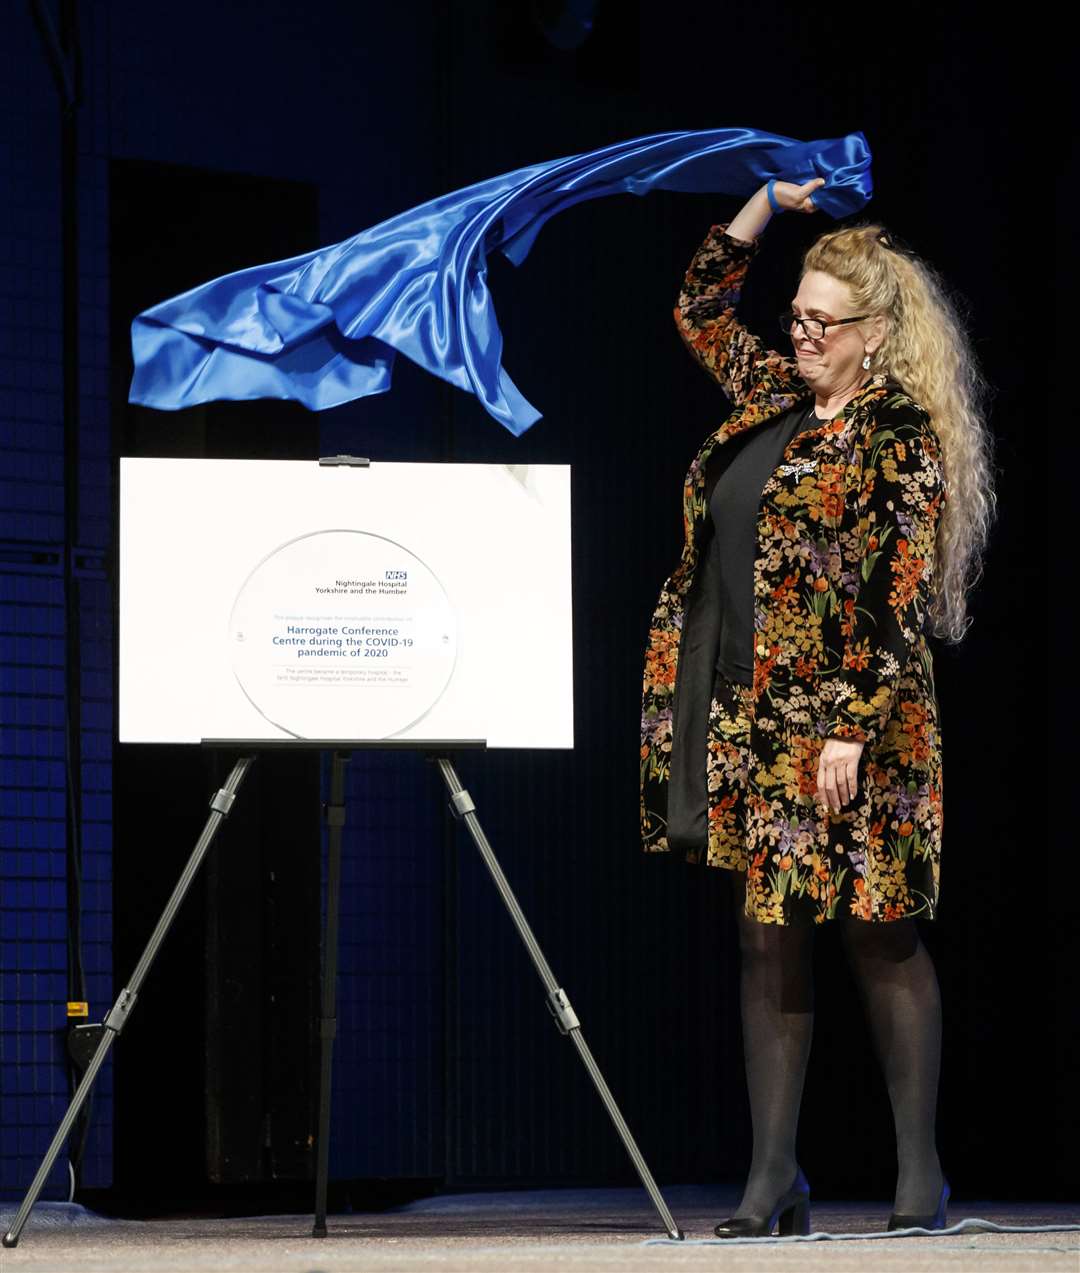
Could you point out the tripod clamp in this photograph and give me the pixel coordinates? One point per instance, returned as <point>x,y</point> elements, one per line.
<point>222,801</point>
<point>334,814</point>
<point>118,1014</point>
<point>559,1006</point>
<point>462,803</point>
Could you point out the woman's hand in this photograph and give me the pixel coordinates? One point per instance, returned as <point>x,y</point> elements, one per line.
<point>756,212</point>
<point>838,772</point>
<point>797,198</point>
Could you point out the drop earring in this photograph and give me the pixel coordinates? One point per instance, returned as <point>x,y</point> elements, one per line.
<point>866,363</point>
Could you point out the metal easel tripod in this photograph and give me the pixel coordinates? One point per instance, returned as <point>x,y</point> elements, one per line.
<point>464,808</point>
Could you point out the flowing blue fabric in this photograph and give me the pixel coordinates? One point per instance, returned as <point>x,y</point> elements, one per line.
<point>323,328</point>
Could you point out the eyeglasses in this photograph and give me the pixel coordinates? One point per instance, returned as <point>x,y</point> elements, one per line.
<point>814,328</point>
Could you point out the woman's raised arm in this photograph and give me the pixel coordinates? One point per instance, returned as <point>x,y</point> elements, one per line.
<point>705,313</point>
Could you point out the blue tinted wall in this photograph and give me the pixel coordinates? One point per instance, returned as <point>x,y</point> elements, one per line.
<point>33,544</point>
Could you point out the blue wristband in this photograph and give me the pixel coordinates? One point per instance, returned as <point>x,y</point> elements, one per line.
<point>772,201</point>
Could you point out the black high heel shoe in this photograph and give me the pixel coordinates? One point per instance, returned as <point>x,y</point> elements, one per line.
<point>792,1211</point>
<point>936,1221</point>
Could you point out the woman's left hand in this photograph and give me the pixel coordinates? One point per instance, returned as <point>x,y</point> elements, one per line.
<point>838,772</point>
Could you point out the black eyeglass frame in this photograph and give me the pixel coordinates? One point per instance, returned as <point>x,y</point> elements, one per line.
<point>789,319</point>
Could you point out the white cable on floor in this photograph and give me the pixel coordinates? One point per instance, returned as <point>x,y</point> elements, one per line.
<point>971,1224</point>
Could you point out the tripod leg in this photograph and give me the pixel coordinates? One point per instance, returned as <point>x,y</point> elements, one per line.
<point>558,1003</point>
<point>335,821</point>
<point>220,805</point>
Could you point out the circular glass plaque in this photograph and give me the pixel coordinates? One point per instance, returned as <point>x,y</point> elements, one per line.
<point>341,635</point>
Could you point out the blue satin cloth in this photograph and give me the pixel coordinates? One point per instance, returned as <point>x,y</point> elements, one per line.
<point>323,328</point>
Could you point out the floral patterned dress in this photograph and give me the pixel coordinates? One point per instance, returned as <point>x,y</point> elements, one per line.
<point>842,583</point>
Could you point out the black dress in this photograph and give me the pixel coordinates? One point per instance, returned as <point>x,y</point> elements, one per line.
<point>733,508</point>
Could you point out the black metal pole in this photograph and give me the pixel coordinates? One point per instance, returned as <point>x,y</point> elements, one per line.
<point>557,1000</point>
<point>63,54</point>
<point>335,822</point>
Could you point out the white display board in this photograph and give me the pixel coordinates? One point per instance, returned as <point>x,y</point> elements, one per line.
<point>268,600</point>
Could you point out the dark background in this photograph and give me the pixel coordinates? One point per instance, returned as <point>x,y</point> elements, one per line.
<point>212,137</point>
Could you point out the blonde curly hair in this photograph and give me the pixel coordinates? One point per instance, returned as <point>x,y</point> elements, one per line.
<point>928,352</point>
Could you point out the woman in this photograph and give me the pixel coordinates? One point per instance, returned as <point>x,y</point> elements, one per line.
<point>790,729</point>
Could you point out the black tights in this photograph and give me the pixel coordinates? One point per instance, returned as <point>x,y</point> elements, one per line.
<point>899,990</point>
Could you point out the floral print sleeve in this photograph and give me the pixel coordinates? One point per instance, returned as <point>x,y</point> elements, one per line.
<point>900,499</point>
<point>705,317</point>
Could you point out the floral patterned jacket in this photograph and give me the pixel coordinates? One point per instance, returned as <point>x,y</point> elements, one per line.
<point>846,530</point>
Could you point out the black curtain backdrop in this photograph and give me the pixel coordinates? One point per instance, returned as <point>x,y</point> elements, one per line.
<point>589,338</point>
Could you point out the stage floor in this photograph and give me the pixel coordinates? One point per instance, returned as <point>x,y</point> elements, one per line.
<point>598,1229</point>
